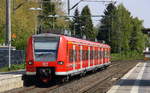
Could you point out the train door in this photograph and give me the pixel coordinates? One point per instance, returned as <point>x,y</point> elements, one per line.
<point>98,59</point>
<point>105,55</point>
<point>93,56</point>
<point>89,56</point>
<point>77,57</point>
<point>84,57</point>
<point>96,55</point>
<point>70,56</point>
<point>74,57</point>
<point>108,54</point>
<point>109,51</point>
<point>81,63</point>
<point>102,56</point>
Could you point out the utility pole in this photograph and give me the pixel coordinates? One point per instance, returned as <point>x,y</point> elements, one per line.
<point>68,7</point>
<point>8,29</point>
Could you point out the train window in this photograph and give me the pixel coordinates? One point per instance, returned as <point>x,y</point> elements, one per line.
<point>102,55</point>
<point>86,53</point>
<point>70,55</point>
<point>91,54</point>
<point>105,53</point>
<point>74,55</point>
<point>83,54</point>
<point>45,48</point>
<point>108,53</point>
<point>77,55</point>
<point>95,55</point>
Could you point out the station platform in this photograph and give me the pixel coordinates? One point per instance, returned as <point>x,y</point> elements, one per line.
<point>11,80</point>
<point>137,80</point>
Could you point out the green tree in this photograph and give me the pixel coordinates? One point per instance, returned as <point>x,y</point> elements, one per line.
<point>121,31</point>
<point>49,8</point>
<point>106,24</point>
<point>86,23</point>
<point>50,17</point>
<point>137,40</point>
<point>23,23</point>
<point>76,24</point>
<point>125,27</point>
<point>2,21</point>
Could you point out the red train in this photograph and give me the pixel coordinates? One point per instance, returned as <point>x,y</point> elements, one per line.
<point>50,55</point>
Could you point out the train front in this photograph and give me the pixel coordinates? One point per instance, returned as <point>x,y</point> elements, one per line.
<point>41,55</point>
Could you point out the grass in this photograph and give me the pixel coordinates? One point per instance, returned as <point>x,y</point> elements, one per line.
<point>128,56</point>
<point>13,68</point>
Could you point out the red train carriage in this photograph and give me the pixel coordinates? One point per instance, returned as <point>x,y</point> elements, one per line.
<point>50,55</point>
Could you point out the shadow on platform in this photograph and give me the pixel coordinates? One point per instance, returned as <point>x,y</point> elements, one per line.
<point>133,82</point>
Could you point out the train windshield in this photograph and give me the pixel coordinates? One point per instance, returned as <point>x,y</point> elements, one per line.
<point>45,48</point>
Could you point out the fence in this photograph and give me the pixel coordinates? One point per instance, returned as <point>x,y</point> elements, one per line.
<point>17,57</point>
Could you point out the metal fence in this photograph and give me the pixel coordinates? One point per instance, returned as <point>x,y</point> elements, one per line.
<point>17,57</point>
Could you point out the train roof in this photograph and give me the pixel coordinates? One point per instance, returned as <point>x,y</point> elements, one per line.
<point>46,35</point>
<point>72,39</point>
<point>81,41</point>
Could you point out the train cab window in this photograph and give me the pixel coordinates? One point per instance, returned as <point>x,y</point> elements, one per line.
<point>45,48</point>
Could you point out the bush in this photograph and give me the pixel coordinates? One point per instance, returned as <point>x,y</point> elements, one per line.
<point>132,55</point>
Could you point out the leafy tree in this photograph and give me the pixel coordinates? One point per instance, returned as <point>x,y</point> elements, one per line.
<point>2,21</point>
<point>106,24</point>
<point>51,16</point>
<point>137,40</point>
<point>125,27</point>
<point>120,30</point>
<point>49,11</point>
<point>24,21</point>
<point>86,22</point>
<point>76,24</point>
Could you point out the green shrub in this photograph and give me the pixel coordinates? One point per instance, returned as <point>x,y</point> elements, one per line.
<point>132,55</point>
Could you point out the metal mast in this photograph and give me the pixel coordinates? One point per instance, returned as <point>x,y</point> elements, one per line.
<point>8,28</point>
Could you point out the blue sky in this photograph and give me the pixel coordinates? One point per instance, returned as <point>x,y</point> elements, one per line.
<point>138,8</point>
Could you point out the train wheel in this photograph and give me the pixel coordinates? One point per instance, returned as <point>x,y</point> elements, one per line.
<point>65,79</point>
<point>83,74</point>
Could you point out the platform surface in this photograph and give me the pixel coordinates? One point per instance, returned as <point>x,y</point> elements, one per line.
<point>137,80</point>
<point>11,80</point>
<point>5,75</point>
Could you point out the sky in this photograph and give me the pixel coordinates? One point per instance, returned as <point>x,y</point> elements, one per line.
<point>138,8</point>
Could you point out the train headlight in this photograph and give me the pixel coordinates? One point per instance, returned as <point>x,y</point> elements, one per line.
<point>30,62</point>
<point>60,62</point>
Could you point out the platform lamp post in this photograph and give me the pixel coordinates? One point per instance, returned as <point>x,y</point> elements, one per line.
<point>8,30</point>
<point>36,20</point>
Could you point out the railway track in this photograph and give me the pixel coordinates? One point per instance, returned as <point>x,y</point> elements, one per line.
<point>103,85</point>
<point>98,82</point>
